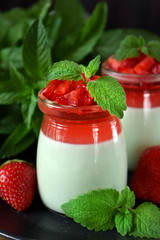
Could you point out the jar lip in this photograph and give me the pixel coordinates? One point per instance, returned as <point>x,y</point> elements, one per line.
<point>57,106</point>
<point>130,76</point>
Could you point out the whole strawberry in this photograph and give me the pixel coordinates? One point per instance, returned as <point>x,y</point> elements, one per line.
<point>17,183</point>
<point>146,178</point>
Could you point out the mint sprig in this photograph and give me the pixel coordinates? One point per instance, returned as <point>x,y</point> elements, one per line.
<point>131,46</point>
<point>92,67</point>
<point>67,70</point>
<point>106,91</point>
<point>107,209</point>
<point>108,94</point>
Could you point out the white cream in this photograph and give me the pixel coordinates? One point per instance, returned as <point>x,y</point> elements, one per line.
<point>68,170</point>
<point>141,127</point>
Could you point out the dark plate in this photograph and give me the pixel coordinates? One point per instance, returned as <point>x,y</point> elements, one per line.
<point>39,223</point>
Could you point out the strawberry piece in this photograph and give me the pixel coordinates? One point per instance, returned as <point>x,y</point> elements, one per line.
<point>156,69</point>
<point>113,63</point>
<point>72,98</point>
<point>63,88</point>
<point>77,84</point>
<point>126,70</point>
<point>143,66</point>
<point>18,184</point>
<point>48,92</point>
<point>146,178</point>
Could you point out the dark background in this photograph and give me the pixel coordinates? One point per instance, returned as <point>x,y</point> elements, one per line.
<point>122,13</point>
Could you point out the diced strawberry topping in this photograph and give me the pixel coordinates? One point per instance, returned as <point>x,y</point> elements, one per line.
<point>63,88</point>
<point>144,66</point>
<point>49,91</point>
<point>113,63</point>
<point>73,93</point>
<point>156,69</point>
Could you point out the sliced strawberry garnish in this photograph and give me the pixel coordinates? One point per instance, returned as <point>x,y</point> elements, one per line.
<point>155,69</point>
<point>126,70</point>
<point>63,88</point>
<point>77,84</point>
<point>48,92</point>
<point>113,63</point>
<point>66,92</point>
<point>144,66</point>
<point>74,97</point>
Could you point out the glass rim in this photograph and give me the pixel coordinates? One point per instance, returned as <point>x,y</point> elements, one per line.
<point>135,77</point>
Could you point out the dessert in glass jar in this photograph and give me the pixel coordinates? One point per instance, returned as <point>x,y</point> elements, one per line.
<point>81,147</point>
<point>140,77</point>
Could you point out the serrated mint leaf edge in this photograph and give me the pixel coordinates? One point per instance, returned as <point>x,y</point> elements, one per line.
<point>64,70</point>
<point>101,98</point>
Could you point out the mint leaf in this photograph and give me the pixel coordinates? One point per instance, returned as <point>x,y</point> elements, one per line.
<point>28,107</point>
<point>52,26</point>
<point>39,9</point>
<point>11,54</point>
<point>126,198</point>
<point>18,80</point>
<point>65,70</point>
<point>108,94</point>
<point>36,51</point>
<point>78,45</point>
<point>18,140</point>
<point>123,221</point>
<point>95,210</point>
<point>93,65</point>
<point>36,121</point>
<point>154,49</point>
<point>9,94</point>
<point>105,46</point>
<point>73,16</point>
<point>146,221</point>
<point>85,70</point>
<point>129,47</point>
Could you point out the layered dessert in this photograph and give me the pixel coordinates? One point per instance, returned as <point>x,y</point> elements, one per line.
<point>81,147</point>
<point>139,76</point>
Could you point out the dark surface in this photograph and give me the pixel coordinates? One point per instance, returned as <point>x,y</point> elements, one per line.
<point>41,224</point>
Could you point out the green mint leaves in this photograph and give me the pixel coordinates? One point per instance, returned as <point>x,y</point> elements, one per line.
<point>67,70</point>
<point>109,94</point>
<point>106,91</point>
<point>92,67</point>
<point>108,209</point>
<point>131,46</point>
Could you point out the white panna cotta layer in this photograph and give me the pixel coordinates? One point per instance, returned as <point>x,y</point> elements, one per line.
<point>67,170</point>
<point>141,127</point>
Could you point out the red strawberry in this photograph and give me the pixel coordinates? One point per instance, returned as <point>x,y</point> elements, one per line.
<point>17,183</point>
<point>63,88</point>
<point>113,63</point>
<point>48,92</point>
<point>143,66</point>
<point>146,178</point>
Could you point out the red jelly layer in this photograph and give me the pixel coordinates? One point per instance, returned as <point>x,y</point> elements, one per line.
<point>78,125</point>
<point>80,133</point>
<point>141,90</point>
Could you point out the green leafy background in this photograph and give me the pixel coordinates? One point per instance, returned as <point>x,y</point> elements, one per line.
<point>32,39</point>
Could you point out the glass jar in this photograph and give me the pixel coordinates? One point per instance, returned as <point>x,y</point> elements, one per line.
<point>141,122</point>
<point>79,149</point>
